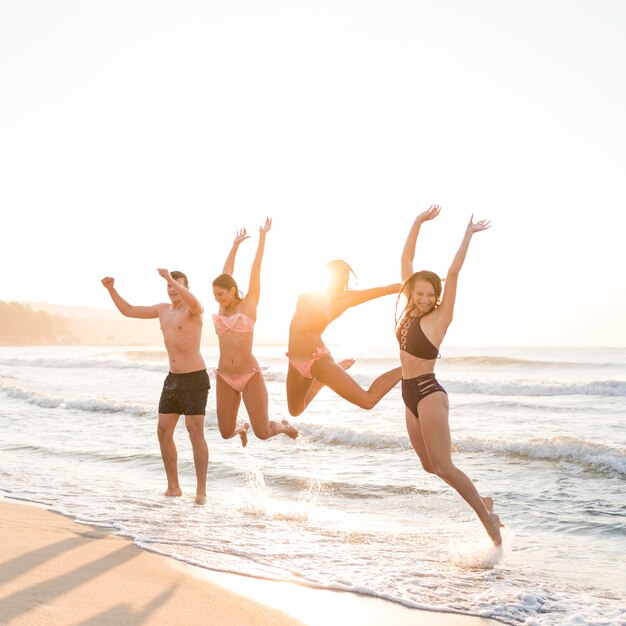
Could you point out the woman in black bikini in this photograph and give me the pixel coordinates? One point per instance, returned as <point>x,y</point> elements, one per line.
<point>420,329</point>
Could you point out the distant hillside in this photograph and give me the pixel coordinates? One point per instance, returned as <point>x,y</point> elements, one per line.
<point>79,312</point>
<point>39,323</point>
<point>20,324</point>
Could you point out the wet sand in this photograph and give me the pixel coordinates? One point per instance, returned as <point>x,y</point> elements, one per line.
<point>54,571</point>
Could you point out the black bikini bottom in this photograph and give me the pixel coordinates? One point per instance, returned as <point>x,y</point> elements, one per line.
<point>414,389</point>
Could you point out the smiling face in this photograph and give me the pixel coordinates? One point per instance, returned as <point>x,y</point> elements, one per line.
<point>225,291</point>
<point>223,296</point>
<point>423,291</point>
<point>424,296</point>
<point>172,293</point>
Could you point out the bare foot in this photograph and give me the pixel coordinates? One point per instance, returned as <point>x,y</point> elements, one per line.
<point>494,525</point>
<point>242,431</point>
<point>200,498</point>
<point>493,529</point>
<point>173,492</point>
<point>289,430</point>
<point>346,364</point>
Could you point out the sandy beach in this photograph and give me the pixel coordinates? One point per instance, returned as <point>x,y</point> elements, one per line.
<point>55,571</point>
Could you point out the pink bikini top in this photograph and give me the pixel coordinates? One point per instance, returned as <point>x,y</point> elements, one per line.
<point>238,323</point>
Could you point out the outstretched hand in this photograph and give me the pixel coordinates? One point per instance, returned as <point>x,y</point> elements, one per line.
<point>241,235</point>
<point>164,273</point>
<point>266,226</point>
<point>476,227</point>
<point>108,281</point>
<point>430,214</point>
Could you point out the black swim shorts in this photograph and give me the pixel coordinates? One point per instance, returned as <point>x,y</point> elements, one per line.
<point>185,394</point>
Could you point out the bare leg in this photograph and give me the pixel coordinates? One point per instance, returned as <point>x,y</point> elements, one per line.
<point>301,390</point>
<point>227,406</point>
<point>255,399</point>
<point>433,421</point>
<point>346,364</point>
<point>298,388</point>
<point>417,441</point>
<point>165,432</point>
<point>327,372</point>
<point>195,428</point>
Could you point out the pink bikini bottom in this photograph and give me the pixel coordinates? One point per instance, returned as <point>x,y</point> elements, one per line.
<point>238,383</point>
<point>304,367</point>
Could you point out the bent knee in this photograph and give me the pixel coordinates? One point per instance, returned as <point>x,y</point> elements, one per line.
<point>443,470</point>
<point>294,411</point>
<point>227,434</point>
<point>262,434</point>
<point>428,468</point>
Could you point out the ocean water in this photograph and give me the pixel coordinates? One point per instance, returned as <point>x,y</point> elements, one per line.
<point>347,505</point>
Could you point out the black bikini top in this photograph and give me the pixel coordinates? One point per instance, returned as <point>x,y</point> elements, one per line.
<point>412,339</point>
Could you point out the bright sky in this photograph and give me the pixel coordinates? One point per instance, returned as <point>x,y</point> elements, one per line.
<point>142,134</point>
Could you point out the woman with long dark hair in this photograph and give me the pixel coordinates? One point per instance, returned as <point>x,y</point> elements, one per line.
<point>238,373</point>
<point>420,330</point>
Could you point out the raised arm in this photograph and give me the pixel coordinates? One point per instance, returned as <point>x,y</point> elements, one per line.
<point>355,297</point>
<point>408,253</point>
<point>254,287</point>
<point>195,308</point>
<point>229,264</point>
<point>446,308</point>
<point>141,312</point>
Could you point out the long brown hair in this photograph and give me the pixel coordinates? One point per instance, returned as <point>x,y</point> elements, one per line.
<point>407,288</point>
<point>226,281</point>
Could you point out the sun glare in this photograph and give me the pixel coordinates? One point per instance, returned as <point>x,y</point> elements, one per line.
<point>316,279</point>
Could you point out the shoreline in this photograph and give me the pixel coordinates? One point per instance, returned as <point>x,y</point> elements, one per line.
<point>56,571</point>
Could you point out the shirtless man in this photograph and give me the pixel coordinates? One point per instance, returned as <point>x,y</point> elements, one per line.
<point>186,387</point>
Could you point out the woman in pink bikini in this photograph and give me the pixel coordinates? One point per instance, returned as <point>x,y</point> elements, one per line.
<point>310,364</point>
<point>420,330</point>
<point>238,374</point>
